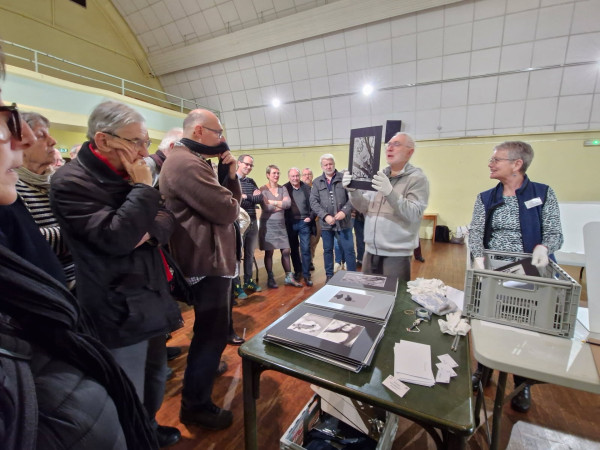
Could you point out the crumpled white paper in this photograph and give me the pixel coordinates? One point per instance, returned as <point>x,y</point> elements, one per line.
<point>431,295</point>
<point>454,324</point>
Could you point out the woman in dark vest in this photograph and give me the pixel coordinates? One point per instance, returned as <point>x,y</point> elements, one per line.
<point>518,215</point>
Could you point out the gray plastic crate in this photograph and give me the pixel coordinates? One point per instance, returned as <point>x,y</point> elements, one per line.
<point>547,304</point>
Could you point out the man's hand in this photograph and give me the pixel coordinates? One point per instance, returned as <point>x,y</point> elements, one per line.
<point>340,215</point>
<point>346,179</point>
<point>307,219</point>
<point>138,170</point>
<point>382,183</point>
<point>330,220</point>
<point>228,159</point>
<point>257,192</point>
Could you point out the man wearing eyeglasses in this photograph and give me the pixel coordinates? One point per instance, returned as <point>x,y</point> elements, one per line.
<point>113,221</point>
<point>393,211</point>
<point>251,196</point>
<point>204,242</point>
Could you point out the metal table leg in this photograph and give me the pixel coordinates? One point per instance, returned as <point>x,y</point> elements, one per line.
<point>498,403</point>
<point>251,382</point>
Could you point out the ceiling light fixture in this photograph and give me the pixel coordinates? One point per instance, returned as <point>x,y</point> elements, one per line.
<point>367,89</point>
<point>276,102</point>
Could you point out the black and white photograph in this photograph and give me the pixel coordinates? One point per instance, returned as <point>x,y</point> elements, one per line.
<point>311,324</point>
<point>365,150</point>
<point>352,298</point>
<point>340,332</point>
<point>361,279</point>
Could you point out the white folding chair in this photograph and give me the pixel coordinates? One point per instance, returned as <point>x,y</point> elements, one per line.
<point>591,243</point>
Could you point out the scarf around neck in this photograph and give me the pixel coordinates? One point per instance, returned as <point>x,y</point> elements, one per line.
<point>202,149</point>
<point>39,181</point>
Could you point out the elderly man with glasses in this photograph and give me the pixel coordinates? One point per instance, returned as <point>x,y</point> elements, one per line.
<point>393,211</point>
<point>251,197</point>
<point>114,222</point>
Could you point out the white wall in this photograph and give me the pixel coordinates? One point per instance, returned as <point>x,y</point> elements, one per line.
<point>458,70</point>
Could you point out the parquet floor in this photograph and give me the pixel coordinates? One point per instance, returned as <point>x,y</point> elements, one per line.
<point>560,418</point>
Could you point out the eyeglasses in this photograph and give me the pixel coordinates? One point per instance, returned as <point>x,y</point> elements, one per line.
<point>219,132</point>
<point>395,144</point>
<point>244,162</point>
<point>495,160</point>
<point>14,121</point>
<point>136,142</point>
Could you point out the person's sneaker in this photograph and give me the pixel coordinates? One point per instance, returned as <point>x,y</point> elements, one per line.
<point>239,292</point>
<point>167,436</point>
<point>297,276</point>
<point>271,283</point>
<point>210,416</point>
<point>522,401</point>
<point>336,267</point>
<point>308,281</point>
<point>252,286</point>
<point>290,281</point>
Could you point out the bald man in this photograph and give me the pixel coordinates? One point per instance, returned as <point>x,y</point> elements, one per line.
<point>205,206</point>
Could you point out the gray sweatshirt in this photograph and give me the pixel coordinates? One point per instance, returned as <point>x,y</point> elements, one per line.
<point>392,223</point>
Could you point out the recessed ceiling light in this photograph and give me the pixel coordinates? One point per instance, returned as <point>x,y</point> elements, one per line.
<point>367,89</point>
<point>276,102</point>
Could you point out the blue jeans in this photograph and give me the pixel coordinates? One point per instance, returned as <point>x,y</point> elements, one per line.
<point>299,238</point>
<point>346,242</point>
<point>339,251</point>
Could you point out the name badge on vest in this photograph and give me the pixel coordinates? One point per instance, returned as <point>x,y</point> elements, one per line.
<point>533,202</point>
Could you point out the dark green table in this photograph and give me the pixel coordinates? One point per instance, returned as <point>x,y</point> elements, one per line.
<point>445,411</point>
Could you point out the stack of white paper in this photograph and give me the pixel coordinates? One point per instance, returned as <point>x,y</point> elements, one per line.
<point>412,363</point>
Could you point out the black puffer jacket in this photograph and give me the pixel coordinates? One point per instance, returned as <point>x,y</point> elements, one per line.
<point>60,388</point>
<point>103,218</point>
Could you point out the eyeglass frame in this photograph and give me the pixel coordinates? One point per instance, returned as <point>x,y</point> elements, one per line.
<point>16,130</point>
<point>395,144</point>
<point>219,132</point>
<point>494,160</point>
<point>244,162</point>
<point>135,142</point>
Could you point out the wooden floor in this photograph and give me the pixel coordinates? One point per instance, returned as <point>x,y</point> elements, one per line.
<point>560,418</point>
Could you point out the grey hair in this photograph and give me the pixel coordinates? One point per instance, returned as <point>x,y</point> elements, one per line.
<point>294,168</point>
<point>270,167</point>
<point>309,169</point>
<point>518,150</point>
<point>241,157</point>
<point>410,142</point>
<point>34,119</point>
<point>110,116</point>
<point>173,135</point>
<point>326,156</point>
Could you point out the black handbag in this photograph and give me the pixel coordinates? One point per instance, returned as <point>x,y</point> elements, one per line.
<point>179,287</point>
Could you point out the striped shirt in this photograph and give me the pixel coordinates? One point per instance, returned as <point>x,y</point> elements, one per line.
<point>37,201</point>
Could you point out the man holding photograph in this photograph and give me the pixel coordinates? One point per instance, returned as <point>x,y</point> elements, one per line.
<point>393,212</point>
